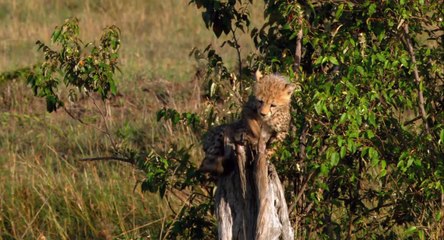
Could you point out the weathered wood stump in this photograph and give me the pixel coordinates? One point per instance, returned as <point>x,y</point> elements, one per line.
<point>250,201</point>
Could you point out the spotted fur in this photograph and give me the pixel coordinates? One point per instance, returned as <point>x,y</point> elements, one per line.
<point>267,112</point>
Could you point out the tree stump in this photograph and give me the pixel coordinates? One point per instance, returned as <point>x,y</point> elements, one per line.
<point>250,201</point>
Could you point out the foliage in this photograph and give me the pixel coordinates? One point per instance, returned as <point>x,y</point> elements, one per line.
<point>88,67</point>
<point>367,144</point>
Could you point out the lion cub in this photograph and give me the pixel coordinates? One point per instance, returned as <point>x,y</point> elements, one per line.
<point>267,112</point>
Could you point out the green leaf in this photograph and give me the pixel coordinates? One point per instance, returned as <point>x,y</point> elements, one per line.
<point>410,230</point>
<point>380,57</point>
<point>338,13</point>
<point>175,118</point>
<point>51,103</point>
<point>343,118</point>
<point>421,234</point>
<point>370,134</point>
<point>113,87</point>
<point>438,216</point>
<point>400,164</point>
<point>441,137</point>
<point>383,164</point>
<point>371,9</point>
<point>55,35</point>
<point>409,162</point>
<point>160,114</point>
<point>374,156</point>
<point>404,62</point>
<point>372,118</point>
<point>340,141</point>
<point>324,170</point>
<point>334,159</point>
<point>343,151</point>
<point>360,70</point>
<point>318,107</point>
<point>351,145</point>
<point>333,60</point>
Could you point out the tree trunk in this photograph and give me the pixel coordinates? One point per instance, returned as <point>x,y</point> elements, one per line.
<point>250,201</point>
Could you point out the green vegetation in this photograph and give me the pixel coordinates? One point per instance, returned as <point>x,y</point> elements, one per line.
<point>364,159</point>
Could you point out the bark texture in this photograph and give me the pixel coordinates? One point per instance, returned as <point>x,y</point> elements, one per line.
<point>250,201</point>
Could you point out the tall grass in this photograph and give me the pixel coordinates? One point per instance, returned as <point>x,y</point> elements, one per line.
<point>157,35</point>
<point>45,191</point>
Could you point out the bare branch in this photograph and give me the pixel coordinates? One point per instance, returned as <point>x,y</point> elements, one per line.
<point>104,118</point>
<point>303,141</point>
<point>418,80</point>
<point>301,191</point>
<point>298,51</point>
<point>239,59</point>
<point>72,116</point>
<point>406,123</point>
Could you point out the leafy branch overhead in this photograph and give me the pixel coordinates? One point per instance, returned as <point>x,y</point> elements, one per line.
<point>224,16</point>
<point>88,67</point>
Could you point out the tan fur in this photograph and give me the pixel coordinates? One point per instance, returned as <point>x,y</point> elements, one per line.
<point>268,109</point>
<point>267,112</point>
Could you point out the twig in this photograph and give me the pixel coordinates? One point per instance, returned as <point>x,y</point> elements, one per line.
<point>169,204</point>
<point>350,227</point>
<point>103,115</point>
<point>412,120</point>
<point>82,122</point>
<point>237,47</point>
<point>73,117</point>
<point>108,158</point>
<point>301,191</point>
<point>298,51</point>
<point>308,209</point>
<point>185,203</point>
<point>303,140</point>
<point>416,74</point>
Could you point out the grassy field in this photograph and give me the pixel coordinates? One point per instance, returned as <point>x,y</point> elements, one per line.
<point>45,191</point>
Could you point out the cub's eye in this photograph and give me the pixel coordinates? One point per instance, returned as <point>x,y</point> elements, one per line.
<point>260,102</point>
<point>272,105</point>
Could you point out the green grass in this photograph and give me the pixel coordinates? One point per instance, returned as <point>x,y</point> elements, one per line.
<point>45,191</point>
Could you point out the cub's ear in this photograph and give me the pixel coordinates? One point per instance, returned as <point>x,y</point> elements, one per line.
<point>259,75</point>
<point>290,87</point>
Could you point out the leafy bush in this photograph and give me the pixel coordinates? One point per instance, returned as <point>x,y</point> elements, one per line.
<point>88,67</point>
<point>365,156</point>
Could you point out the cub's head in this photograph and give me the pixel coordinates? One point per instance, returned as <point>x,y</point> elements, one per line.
<point>272,93</point>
